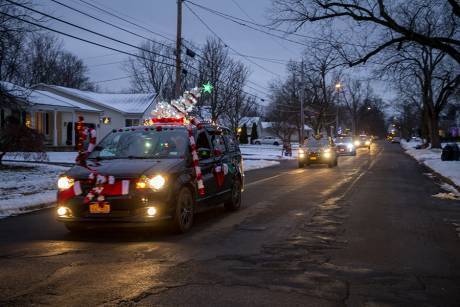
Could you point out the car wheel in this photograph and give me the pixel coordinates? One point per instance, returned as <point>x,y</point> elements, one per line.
<point>276,143</point>
<point>301,164</point>
<point>336,162</point>
<point>184,213</point>
<point>257,143</point>
<point>234,203</point>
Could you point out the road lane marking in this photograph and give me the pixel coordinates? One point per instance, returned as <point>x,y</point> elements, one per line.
<point>263,180</point>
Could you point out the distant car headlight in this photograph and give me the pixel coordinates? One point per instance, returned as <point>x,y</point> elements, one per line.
<point>368,143</point>
<point>157,182</point>
<point>350,146</point>
<point>327,155</point>
<point>301,151</point>
<point>357,143</point>
<point>327,150</point>
<point>65,183</point>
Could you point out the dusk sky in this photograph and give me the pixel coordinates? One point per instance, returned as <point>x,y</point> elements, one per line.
<point>160,16</point>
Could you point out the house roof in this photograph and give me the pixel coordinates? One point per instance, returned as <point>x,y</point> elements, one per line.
<point>44,98</point>
<point>266,125</point>
<point>124,103</point>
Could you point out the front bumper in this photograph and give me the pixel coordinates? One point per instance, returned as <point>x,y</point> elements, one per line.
<point>316,158</point>
<point>123,210</point>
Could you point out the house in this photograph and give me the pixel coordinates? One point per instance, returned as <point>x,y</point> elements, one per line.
<point>54,110</point>
<point>117,110</point>
<point>48,113</point>
<point>270,129</point>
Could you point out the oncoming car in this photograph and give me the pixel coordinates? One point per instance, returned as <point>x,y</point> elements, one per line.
<point>362,141</point>
<point>152,176</point>
<point>317,151</point>
<point>345,145</point>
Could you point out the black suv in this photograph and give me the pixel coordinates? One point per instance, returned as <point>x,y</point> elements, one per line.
<point>148,174</point>
<point>318,151</point>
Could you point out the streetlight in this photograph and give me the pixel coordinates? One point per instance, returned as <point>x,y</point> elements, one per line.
<point>338,86</point>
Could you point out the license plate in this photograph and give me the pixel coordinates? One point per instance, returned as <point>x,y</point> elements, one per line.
<point>312,158</point>
<point>341,149</point>
<point>102,208</point>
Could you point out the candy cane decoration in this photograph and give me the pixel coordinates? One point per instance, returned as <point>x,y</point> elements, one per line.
<point>196,163</point>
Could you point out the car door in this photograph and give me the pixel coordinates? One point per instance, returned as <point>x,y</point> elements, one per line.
<point>222,160</point>
<point>207,164</point>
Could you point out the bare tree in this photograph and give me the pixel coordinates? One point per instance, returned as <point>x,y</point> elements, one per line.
<point>436,77</point>
<point>378,23</point>
<point>228,78</point>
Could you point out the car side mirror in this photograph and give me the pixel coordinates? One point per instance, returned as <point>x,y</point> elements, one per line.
<point>204,153</point>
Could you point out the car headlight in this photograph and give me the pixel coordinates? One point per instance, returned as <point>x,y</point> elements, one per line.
<point>327,150</point>
<point>368,142</point>
<point>327,155</point>
<point>157,182</point>
<point>65,183</point>
<point>350,146</point>
<point>301,151</point>
<point>357,143</point>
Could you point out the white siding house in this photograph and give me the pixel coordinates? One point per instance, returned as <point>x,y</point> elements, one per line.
<point>117,110</point>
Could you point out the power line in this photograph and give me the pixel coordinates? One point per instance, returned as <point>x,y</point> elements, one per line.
<point>125,20</point>
<point>84,40</point>
<point>109,23</point>
<point>215,34</point>
<point>88,30</point>
<point>246,23</point>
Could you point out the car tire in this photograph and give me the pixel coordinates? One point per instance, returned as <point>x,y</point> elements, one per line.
<point>336,162</point>
<point>257,143</point>
<point>234,203</point>
<point>184,211</point>
<point>301,164</point>
<point>276,144</point>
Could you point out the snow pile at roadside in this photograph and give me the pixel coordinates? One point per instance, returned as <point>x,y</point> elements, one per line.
<point>51,156</point>
<point>27,187</point>
<point>257,164</point>
<point>267,152</point>
<point>432,159</point>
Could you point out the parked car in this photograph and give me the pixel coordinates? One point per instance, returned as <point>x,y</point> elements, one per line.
<point>318,151</point>
<point>363,141</point>
<point>153,179</point>
<point>345,146</point>
<point>268,140</point>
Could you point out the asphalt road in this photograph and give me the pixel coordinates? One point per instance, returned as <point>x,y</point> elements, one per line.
<point>367,232</point>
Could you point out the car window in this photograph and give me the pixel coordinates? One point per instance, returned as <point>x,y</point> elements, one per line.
<point>202,140</point>
<point>218,142</point>
<point>232,144</point>
<point>146,144</point>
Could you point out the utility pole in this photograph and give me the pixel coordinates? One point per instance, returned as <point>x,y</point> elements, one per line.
<point>301,98</point>
<point>178,48</point>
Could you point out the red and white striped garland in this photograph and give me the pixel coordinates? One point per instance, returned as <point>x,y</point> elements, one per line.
<point>196,163</point>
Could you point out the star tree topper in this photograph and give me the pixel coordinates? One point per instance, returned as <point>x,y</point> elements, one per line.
<point>207,87</point>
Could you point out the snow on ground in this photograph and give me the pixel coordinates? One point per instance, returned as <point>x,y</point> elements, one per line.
<point>267,152</point>
<point>256,164</point>
<point>432,159</point>
<point>26,187</point>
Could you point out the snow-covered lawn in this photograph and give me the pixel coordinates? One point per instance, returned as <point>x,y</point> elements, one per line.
<point>432,159</point>
<point>267,152</point>
<point>257,164</point>
<point>25,187</point>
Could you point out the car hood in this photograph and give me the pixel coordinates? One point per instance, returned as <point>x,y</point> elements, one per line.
<point>126,168</point>
<point>344,143</point>
<point>315,148</point>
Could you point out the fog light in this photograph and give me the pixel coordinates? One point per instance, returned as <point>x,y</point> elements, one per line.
<point>63,211</point>
<point>151,211</point>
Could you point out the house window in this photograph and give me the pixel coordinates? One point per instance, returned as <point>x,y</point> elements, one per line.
<point>106,120</point>
<point>47,124</point>
<point>132,122</point>
<point>2,118</point>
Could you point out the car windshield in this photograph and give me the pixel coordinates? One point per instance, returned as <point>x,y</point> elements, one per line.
<point>142,144</point>
<point>344,140</point>
<point>317,143</point>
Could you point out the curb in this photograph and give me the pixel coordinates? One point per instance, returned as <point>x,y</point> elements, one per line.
<point>435,173</point>
<point>7,212</point>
